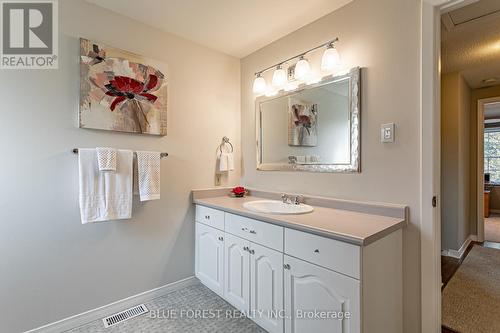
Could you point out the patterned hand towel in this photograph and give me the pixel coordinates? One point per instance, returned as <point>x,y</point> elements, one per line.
<point>106,158</point>
<point>105,196</point>
<point>148,169</point>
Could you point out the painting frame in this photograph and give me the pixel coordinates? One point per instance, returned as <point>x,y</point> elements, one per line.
<point>121,91</point>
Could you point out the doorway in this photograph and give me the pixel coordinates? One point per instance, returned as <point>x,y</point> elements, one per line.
<point>488,219</point>
<point>432,11</point>
<point>470,155</point>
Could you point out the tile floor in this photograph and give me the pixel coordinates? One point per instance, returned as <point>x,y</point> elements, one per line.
<point>182,303</point>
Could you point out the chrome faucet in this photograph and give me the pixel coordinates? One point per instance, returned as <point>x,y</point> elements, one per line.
<point>297,199</point>
<point>285,198</point>
<point>291,199</point>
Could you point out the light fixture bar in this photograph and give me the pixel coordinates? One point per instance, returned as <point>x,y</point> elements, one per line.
<point>297,56</point>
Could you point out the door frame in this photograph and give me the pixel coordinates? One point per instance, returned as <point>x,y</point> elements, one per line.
<point>480,164</point>
<point>430,153</point>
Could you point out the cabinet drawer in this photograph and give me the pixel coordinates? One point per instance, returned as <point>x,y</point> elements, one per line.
<point>263,233</point>
<point>210,216</point>
<point>338,256</point>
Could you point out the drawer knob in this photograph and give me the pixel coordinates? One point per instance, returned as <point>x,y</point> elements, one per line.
<point>251,251</point>
<point>316,251</point>
<point>245,248</point>
<point>286,266</point>
<point>253,232</point>
<point>207,217</point>
<point>221,238</point>
<point>244,229</point>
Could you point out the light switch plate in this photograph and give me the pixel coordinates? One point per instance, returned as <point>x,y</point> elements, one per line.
<point>387,133</point>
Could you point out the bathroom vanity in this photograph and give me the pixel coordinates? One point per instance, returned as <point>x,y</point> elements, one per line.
<point>335,269</point>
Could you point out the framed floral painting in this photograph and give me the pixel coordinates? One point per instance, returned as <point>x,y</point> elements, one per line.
<point>302,123</point>
<point>121,91</point>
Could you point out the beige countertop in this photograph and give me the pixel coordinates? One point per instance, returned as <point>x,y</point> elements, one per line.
<point>351,226</point>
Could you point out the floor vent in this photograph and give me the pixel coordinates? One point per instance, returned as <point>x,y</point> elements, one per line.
<point>124,315</point>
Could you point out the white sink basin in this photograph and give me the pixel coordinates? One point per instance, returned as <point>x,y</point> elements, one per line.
<point>277,207</point>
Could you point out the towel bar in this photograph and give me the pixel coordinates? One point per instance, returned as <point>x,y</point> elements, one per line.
<point>162,155</point>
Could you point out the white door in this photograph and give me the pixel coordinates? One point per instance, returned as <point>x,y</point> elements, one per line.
<point>266,281</point>
<point>237,272</point>
<point>209,257</point>
<point>315,297</point>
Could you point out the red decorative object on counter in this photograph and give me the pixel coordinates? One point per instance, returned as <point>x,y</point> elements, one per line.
<point>239,191</point>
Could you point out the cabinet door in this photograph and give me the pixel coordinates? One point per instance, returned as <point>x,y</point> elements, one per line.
<point>237,272</point>
<point>209,257</point>
<point>314,297</point>
<point>266,281</point>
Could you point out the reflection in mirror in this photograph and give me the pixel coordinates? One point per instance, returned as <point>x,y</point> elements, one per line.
<point>313,129</point>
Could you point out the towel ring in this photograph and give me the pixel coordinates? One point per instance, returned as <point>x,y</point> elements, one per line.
<point>225,140</point>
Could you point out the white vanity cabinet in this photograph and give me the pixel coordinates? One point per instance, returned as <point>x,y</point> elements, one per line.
<point>253,281</point>
<point>315,296</point>
<point>266,281</point>
<point>291,281</point>
<point>209,263</point>
<point>237,272</point>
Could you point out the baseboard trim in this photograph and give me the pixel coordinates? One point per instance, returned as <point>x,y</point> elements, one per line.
<point>460,253</point>
<point>109,309</point>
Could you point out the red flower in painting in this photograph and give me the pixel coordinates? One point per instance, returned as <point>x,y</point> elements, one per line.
<point>123,88</point>
<point>303,120</point>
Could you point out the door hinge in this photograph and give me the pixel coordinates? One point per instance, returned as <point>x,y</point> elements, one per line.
<point>434,201</point>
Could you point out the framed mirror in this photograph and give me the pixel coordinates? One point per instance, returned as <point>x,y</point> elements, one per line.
<point>315,128</point>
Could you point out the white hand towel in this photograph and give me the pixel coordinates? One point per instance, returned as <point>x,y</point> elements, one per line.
<point>105,196</point>
<point>106,158</point>
<point>223,162</point>
<point>230,161</point>
<point>148,169</point>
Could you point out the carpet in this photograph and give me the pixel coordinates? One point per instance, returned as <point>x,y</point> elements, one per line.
<point>492,228</point>
<point>471,300</point>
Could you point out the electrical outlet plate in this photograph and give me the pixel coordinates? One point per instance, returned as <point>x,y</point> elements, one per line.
<point>387,133</point>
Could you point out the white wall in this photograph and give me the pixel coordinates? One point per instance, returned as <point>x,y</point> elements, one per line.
<point>383,38</point>
<point>456,222</point>
<point>51,265</point>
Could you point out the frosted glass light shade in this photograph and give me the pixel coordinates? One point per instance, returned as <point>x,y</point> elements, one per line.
<point>302,69</point>
<point>330,60</point>
<point>259,85</point>
<point>279,77</point>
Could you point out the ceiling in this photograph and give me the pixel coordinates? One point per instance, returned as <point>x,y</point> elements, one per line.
<point>235,27</point>
<point>471,42</point>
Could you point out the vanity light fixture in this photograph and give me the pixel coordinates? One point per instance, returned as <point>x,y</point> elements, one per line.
<point>279,77</point>
<point>259,84</point>
<point>330,61</point>
<point>302,68</point>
